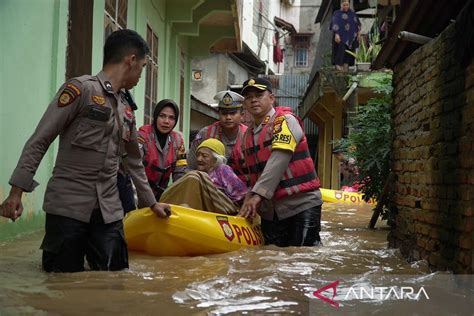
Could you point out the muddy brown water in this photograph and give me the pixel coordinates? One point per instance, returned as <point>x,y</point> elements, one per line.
<point>250,281</point>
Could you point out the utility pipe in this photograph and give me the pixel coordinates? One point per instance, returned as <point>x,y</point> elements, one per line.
<point>412,37</point>
<point>349,92</point>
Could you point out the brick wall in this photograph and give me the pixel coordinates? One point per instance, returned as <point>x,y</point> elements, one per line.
<point>433,156</point>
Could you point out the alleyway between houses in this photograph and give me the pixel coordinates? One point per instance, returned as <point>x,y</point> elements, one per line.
<point>270,279</point>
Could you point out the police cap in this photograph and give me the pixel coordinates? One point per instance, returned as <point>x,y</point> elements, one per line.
<point>259,83</point>
<point>229,100</point>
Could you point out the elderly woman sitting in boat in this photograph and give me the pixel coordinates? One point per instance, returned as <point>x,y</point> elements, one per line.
<point>213,187</point>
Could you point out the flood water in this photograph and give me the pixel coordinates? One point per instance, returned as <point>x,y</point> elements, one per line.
<point>250,281</point>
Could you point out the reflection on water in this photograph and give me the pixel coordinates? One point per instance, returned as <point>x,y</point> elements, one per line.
<point>270,279</point>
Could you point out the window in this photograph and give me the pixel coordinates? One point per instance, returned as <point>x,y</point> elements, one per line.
<point>151,81</point>
<point>115,16</point>
<point>301,44</point>
<point>301,56</point>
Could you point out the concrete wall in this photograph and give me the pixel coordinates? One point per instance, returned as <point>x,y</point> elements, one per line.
<point>262,48</point>
<point>323,48</point>
<point>215,76</point>
<point>302,15</point>
<point>200,120</point>
<point>433,156</point>
<point>32,63</point>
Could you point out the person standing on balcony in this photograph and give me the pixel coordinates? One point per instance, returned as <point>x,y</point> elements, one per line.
<point>345,26</point>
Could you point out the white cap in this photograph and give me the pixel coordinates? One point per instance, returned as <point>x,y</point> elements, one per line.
<point>229,99</point>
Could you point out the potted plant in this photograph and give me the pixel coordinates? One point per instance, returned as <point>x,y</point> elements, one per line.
<point>366,53</point>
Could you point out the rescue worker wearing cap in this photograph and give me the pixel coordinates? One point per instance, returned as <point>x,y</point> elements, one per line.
<point>281,173</point>
<point>213,187</point>
<point>229,129</point>
<point>163,151</point>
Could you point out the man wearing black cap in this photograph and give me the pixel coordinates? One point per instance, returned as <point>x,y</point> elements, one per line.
<point>229,129</point>
<point>279,168</point>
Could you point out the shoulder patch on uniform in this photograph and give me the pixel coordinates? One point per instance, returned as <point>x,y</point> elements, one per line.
<point>181,150</point>
<point>68,95</point>
<point>283,139</point>
<point>98,99</point>
<point>74,88</point>
<point>266,119</point>
<point>277,124</point>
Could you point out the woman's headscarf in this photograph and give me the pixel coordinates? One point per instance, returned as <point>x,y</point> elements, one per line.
<point>164,103</point>
<point>156,112</point>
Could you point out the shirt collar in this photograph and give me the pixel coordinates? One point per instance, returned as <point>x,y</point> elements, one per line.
<point>105,82</point>
<point>265,120</point>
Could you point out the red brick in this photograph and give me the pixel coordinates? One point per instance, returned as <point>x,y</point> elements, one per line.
<point>465,258</point>
<point>434,259</point>
<point>466,224</point>
<point>466,209</point>
<point>434,233</point>
<point>421,242</point>
<point>465,241</point>
<point>432,245</point>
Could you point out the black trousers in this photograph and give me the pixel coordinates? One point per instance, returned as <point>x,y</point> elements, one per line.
<point>301,229</point>
<point>67,241</point>
<point>126,194</point>
<point>340,56</point>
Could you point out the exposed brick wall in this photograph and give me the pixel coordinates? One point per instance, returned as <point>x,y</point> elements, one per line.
<point>433,156</point>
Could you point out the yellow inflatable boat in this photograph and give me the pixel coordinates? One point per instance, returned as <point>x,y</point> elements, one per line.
<point>189,232</point>
<point>336,196</point>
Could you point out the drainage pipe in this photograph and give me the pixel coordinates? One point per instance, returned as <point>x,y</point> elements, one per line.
<point>349,92</point>
<point>412,37</point>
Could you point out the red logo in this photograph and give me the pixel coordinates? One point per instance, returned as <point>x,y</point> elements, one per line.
<point>129,112</point>
<point>224,222</point>
<point>326,299</point>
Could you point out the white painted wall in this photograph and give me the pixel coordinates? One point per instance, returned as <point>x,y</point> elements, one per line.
<point>302,15</point>
<point>215,69</point>
<point>263,50</point>
<point>205,89</point>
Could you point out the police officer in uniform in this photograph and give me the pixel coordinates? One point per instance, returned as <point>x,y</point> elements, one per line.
<point>96,128</point>
<point>229,129</point>
<point>281,173</point>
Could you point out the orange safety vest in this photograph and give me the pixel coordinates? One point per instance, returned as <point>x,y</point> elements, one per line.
<point>158,177</point>
<point>300,175</point>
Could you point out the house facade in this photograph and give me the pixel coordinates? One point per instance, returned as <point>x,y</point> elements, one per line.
<point>46,42</point>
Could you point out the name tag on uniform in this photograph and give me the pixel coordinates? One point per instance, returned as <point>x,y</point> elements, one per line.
<point>99,113</point>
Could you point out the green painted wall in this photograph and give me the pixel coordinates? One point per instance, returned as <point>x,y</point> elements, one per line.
<point>32,63</point>
<point>33,34</point>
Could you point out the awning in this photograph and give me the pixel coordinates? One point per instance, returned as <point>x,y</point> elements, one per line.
<point>285,25</point>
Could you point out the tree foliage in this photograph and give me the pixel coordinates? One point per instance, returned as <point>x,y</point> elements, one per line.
<point>370,141</point>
